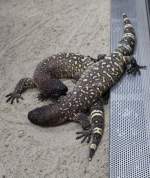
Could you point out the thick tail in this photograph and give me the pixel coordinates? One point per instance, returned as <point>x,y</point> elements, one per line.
<point>48,115</point>
<point>128,42</point>
<point>97,121</point>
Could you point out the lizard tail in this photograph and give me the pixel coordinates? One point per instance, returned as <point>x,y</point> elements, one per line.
<point>128,42</point>
<point>48,115</point>
<point>97,122</point>
<point>128,28</point>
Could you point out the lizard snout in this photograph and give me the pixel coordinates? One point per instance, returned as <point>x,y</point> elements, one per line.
<point>38,116</point>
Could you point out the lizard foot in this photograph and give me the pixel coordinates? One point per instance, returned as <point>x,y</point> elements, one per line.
<point>135,68</point>
<point>101,56</point>
<point>13,96</point>
<point>45,97</point>
<point>42,97</point>
<point>84,135</point>
<point>84,121</point>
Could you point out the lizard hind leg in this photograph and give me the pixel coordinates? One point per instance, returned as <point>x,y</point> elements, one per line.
<point>84,121</point>
<point>52,88</point>
<point>86,125</point>
<point>96,130</point>
<point>134,67</point>
<point>21,87</point>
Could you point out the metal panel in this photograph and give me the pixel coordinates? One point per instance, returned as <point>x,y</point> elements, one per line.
<point>130,100</point>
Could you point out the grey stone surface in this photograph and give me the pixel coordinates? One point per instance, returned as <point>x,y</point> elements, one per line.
<point>30,31</point>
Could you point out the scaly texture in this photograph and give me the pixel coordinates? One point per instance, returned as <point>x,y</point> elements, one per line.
<point>48,72</point>
<point>95,81</point>
<point>31,30</point>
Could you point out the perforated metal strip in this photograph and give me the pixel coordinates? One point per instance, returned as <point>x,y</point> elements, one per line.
<point>130,100</point>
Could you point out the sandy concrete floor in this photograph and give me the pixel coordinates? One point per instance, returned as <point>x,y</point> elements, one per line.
<point>30,31</point>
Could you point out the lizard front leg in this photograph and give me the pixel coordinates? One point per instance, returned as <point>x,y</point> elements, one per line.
<point>99,57</point>
<point>21,87</point>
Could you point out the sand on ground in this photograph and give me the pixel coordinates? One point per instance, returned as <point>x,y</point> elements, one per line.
<point>30,31</point>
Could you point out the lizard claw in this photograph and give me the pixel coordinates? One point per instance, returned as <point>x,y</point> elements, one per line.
<point>101,56</point>
<point>13,96</point>
<point>84,135</point>
<point>135,68</point>
<point>45,97</point>
<point>42,97</point>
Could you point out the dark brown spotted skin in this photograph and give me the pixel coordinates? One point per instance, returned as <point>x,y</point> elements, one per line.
<point>91,86</point>
<point>96,80</point>
<point>48,72</point>
<point>62,65</point>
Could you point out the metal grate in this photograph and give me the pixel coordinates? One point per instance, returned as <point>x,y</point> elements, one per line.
<point>130,100</point>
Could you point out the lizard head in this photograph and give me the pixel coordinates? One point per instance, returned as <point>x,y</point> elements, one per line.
<point>47,115</point>
<point>54,89</point>
<point>39,116</point>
